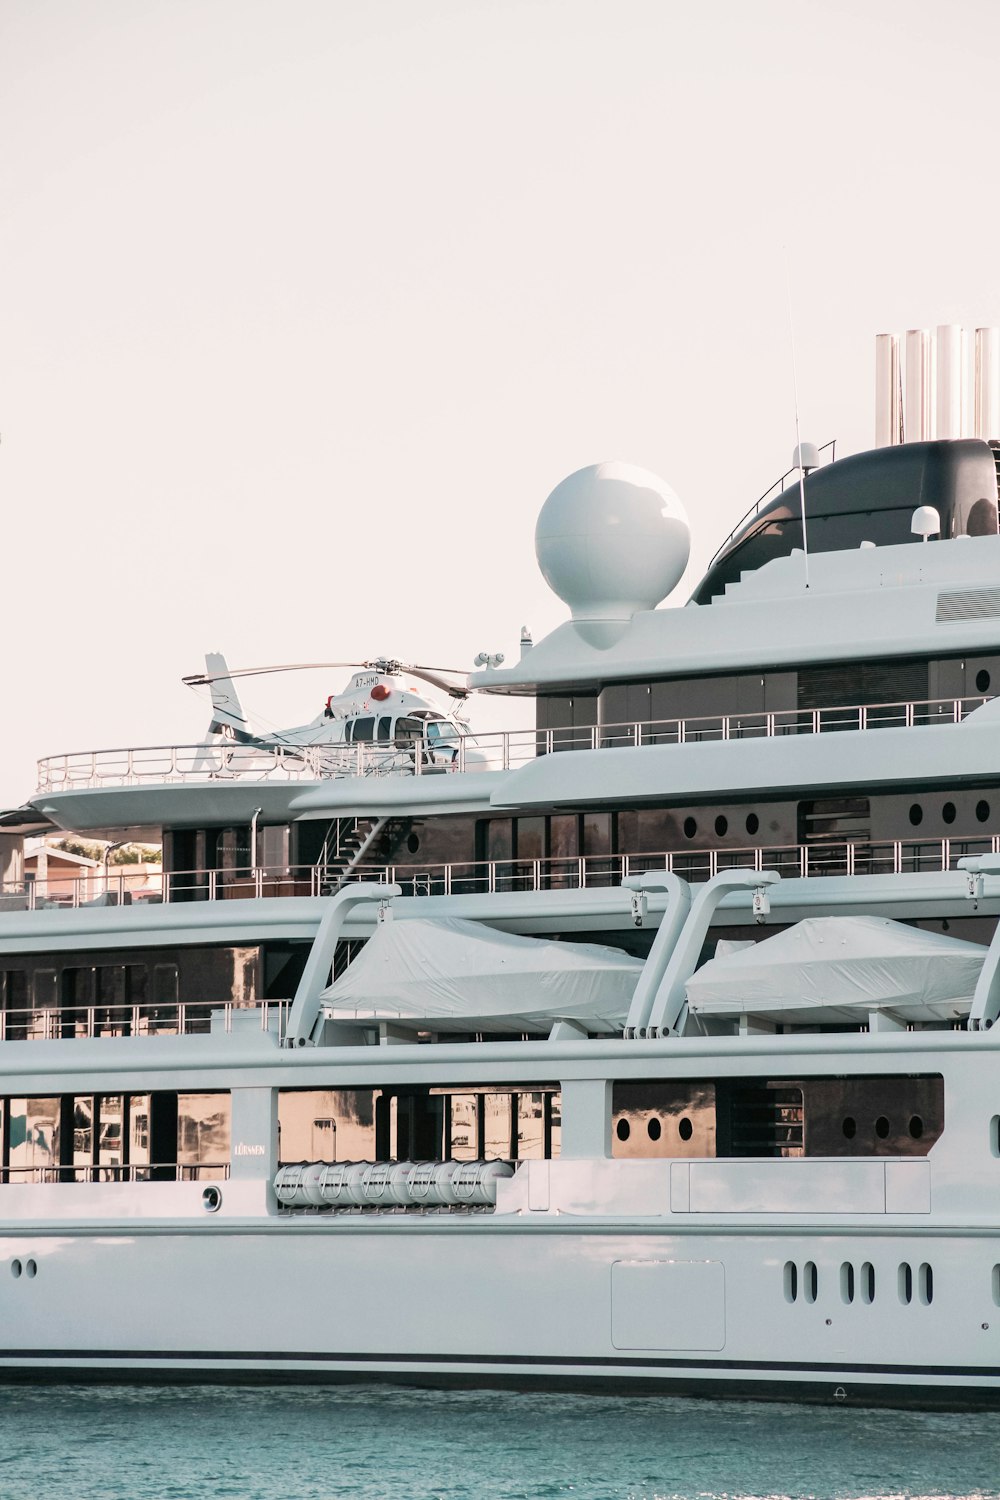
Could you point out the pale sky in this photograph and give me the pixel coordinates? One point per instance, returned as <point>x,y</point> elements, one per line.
<point>306,305</point>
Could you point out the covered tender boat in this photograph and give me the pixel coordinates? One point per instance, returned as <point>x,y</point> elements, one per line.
<point>830,970</point>
<point>450,974</point>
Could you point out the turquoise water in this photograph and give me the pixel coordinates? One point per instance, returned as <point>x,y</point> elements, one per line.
<point>316,1443</point>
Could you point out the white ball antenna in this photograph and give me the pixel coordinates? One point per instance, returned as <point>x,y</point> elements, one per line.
<point>926,522</point>
<point>611,540</point>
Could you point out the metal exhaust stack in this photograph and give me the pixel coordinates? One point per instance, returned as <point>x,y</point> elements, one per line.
<point>987,388</point>
<point>950,381</point>
<point>911,408</point>
<point>917,423</point>
<point>888,392</point>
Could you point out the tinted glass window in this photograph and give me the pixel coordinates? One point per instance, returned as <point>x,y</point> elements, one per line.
<point>364,729</point>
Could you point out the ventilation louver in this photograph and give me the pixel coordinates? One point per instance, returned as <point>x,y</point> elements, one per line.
<point>968,604</point>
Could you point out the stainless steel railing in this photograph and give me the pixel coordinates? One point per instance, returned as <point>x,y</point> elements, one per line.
<point>179,1018</point>
<point>594,871</point>
<point>204,1171</point>
<point>576,872</point>
<point>500,751</point>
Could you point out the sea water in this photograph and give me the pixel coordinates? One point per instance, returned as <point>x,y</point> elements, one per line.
<point>314,1443</point>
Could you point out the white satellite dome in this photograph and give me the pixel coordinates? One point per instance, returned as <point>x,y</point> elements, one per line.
<point>612,539</point>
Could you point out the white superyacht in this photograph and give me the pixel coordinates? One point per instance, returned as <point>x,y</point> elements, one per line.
<point>650,1048</point>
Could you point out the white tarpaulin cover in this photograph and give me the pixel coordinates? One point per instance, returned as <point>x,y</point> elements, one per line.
<point>826,970</point>
<point>453,975</point>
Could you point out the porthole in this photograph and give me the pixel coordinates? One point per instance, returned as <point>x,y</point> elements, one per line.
<point>753,824</point>
<point>15,1269</point>
<point>847,1282</point>
<point>685,1129</point>
<point>916,814</point>
<point>30,1269</point>
<point>690,828</point>
<point>983,812</point>
<point>925,1284</point>
<point>881,1127</point>
<point>721,826</point>
<point>623,1130</point>
<point>868,1282</point>
<point>849,1127</point>
<point>948,812</point>
<point>982,681</point>
<point>916,1127</point>
<point>810,1279</point>
<point>413,843</point>
<point>654,1129</point>
<point>791,1281</point>
<point>905,1283</point>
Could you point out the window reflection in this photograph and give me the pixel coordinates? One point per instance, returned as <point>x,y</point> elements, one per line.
<point>203,1122</point>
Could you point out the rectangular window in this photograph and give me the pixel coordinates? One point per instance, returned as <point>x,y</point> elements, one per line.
<point>497,1122</point>
<point>464,1127</point>
<point>310,1123</point>
<point>45,988</point>
<point>34,1140</point>
<point>83,1136</point>
<point>203,1135</point>
<point>166,984</point>
<point>530,838</point>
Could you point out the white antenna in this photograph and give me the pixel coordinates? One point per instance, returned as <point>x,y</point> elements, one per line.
<point>798,456</point>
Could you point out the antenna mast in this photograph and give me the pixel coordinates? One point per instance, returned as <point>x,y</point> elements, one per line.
<point>798,439</point>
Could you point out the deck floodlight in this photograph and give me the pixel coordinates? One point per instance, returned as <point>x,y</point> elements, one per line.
<point>761,903</point>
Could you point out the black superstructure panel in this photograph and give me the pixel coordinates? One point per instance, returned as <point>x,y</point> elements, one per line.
<point>867,497</point>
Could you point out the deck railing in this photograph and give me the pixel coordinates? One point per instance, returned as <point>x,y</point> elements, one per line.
<point>500,751</point>
<point>171,1171</point>
<point>174,1018</point>
<point>483,876</point>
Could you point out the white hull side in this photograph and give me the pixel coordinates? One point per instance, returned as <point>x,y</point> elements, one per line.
<point>484,1303</point>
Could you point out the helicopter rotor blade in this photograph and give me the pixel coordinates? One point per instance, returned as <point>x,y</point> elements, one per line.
<point>391,667</point>
<point>203,679</point>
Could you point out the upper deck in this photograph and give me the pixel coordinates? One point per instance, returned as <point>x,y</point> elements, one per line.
<point>504,750</point>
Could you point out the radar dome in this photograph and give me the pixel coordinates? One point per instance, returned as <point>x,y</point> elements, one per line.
<point>612,539</point>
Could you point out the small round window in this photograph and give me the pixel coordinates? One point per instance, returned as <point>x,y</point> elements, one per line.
<point>983,812</point>
<point>982,681</point>
<point>413,843</point>
<point>916,814</point>
<point>948,812</point>
<point>850,1127</point>
<point>721,826</point>
<point>753,823</point>
<point>623,1130</point>
<point>916,1127</point>
<point>654,1129</point>
<point>881,1127</point>
<point>685,1129</point>
<point>690,828</point>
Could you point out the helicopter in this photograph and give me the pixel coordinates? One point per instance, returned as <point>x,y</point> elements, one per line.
<point>379,707</point>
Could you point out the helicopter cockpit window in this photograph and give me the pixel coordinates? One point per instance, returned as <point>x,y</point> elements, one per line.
<point>408,731</point>
<point>364,729</point>
<point>384,727</point>
<point>441,732</point>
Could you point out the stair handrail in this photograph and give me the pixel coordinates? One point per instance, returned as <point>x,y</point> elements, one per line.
<point>778,485</point>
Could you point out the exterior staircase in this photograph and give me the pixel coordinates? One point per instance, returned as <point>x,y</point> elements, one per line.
<point>347,842</point>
